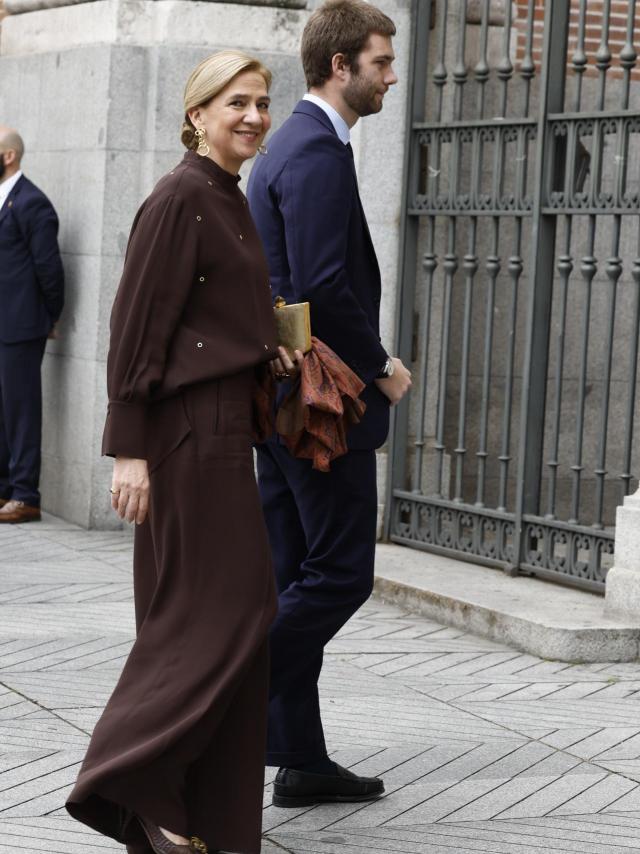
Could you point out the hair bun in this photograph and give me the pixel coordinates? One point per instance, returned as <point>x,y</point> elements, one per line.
<point>188,136</point>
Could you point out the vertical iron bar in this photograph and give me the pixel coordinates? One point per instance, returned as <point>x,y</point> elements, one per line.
<point>633,375</point>
<point>628,59</point>
<point>603,54</point>
<point>430,260</point>
<point>460,67</point>
<point>470,267</point>
<point>450,261</point>
<point>528,66</point>
<point>628,54</point>
<point>493,265</point>
<point>504,68</point>
<point>588,269</point>
<point>493,268</point>
<point>429,264</point>
<point>527,72</point>
<point>603,62</point>
<point>613,266</point>
<point>579,58</point>
<point>450,265</point>
<point>534,380</point>
<point>613,270</point>
<point>515,267</point>
<point>565,266</point>
<point>418,64</point>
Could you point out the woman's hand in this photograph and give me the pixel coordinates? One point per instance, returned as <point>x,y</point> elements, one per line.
<point>130,489</point>
<point>283,368</point>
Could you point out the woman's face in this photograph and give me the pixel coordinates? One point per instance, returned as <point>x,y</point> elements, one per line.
<point>236,121</point>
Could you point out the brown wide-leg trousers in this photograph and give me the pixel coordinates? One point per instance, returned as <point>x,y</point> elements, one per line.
<point>182,739</point>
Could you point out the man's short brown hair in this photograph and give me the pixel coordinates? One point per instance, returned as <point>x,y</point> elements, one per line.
<point>339,26</point>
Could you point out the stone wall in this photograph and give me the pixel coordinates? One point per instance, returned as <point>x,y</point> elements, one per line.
<point>107,79</point>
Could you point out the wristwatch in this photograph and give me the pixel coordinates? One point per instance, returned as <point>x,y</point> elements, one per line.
<point>387,370</point>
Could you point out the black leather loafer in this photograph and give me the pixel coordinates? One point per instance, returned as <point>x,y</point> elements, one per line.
<point>301,789</point>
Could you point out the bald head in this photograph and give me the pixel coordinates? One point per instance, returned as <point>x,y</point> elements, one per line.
<point>10,140</point>
<point>11,151</point>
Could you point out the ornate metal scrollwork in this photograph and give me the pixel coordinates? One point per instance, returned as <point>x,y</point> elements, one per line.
<point>460,530</point>
<point>460,137</point>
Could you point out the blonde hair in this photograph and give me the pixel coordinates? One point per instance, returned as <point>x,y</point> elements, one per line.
<point>209,78</point>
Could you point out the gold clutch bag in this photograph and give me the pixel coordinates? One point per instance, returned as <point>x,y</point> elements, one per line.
<point>293,324</point>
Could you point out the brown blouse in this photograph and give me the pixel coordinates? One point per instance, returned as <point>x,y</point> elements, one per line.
<point>194,301</point>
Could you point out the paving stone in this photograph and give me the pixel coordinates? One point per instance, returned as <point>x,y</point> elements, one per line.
<point>482,748</point>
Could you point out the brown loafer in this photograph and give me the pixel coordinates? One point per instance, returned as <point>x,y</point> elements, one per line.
<point>17,511</point>
<point>161,845</point>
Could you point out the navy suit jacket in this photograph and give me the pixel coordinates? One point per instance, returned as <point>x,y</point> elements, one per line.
<point>31,274</point>
<point>304,198</point>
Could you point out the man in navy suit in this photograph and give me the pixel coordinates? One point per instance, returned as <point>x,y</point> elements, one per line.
<point>304,197</point>
<point>31,299</point>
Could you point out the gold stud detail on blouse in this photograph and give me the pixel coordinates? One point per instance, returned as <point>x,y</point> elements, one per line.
<point>199,218</point>
<point>210,183</point>
<point>241,237</point>
<point>202,278</point>
<point>266,346</point>
<point>199,344</point>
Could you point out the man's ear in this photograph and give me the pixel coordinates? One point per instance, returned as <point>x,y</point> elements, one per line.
<point>339,65</point>
<point>9,157</point>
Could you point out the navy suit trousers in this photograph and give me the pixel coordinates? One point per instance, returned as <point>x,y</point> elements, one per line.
<point>21,420</point>
<point>322,528</point>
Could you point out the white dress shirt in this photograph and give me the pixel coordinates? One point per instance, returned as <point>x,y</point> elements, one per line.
<point>341,127</point>
<point>7,186</point>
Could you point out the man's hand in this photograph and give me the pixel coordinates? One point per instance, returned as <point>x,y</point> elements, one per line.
<point>397,385</point>
<point>130,489</point>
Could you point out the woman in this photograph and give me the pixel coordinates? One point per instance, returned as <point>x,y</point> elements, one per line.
<point>176,761</point>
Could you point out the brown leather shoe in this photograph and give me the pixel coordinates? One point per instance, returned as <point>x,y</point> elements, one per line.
<point>18,511</point>
<point>3,501</point>
<point>161,845</point>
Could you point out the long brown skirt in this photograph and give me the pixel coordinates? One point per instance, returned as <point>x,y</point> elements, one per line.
<point>182,739</point>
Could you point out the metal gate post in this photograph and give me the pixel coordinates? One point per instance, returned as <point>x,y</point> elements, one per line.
<point>543,235</point>
<point>421,17</point>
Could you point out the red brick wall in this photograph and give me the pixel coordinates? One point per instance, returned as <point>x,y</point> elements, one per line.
<point>617,32</point>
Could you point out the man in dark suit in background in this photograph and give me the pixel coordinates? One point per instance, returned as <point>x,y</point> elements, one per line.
<point>31,299</point>
<point>304,197</point>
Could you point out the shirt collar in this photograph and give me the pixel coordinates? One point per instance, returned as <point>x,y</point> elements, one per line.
<point>8,185</point>
<point>339,124</point>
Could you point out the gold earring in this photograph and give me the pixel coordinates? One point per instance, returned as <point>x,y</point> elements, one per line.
<point>203,148</point>
<point>262,149</point>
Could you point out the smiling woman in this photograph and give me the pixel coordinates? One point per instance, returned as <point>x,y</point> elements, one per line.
<point>230,125</point>
<point>176,762</point>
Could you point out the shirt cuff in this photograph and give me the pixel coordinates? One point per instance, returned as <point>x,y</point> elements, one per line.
<point>125,430</point>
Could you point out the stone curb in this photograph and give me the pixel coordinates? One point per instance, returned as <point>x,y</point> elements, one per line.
<point>417,581</point>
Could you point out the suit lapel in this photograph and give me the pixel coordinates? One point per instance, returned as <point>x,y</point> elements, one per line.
<point>314,111</point>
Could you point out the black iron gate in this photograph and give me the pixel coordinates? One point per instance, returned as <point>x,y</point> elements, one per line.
<point>520,299</point>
